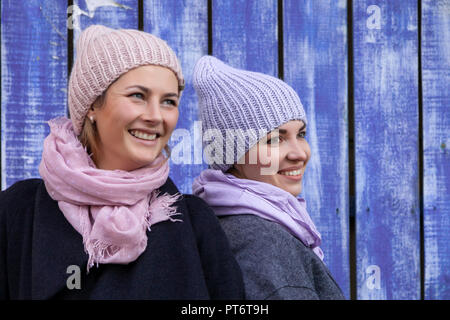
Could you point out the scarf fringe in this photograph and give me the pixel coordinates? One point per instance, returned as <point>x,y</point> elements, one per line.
<point>163,204</point>
<point>100,251</point>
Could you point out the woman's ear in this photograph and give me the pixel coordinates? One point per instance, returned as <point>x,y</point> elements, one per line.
<point>91,115</point>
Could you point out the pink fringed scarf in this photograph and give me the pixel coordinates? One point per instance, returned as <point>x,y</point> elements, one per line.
<point>111,209</point>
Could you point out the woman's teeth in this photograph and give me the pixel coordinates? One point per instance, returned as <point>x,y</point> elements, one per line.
<point>291,173</point>
<point>142,135</point>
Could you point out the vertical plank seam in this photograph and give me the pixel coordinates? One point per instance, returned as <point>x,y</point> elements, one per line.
<point>280,41</point>
<point>420,153</point>
<point>210,28</point>
<point>1,105</point>
<point>141,15</point>
<point>70,53</point>
<point>351,153</point>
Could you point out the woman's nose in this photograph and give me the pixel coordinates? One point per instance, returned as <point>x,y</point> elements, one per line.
<point>152,112</point>
<point>297,152</point>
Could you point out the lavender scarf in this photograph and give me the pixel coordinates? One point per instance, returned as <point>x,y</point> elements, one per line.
<point>228,195</point>
<point>111,209</point>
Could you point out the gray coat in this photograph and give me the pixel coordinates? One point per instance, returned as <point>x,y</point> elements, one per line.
<point>275,264</point>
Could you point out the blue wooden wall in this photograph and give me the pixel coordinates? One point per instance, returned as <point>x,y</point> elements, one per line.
<point>373,75</point>
<point>386,109</point>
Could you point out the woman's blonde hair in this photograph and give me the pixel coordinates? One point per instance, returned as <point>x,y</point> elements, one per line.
<point>89,136</point>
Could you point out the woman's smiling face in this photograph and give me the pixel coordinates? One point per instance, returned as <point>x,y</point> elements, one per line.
<point>137,118</point>
<point>282,157</point>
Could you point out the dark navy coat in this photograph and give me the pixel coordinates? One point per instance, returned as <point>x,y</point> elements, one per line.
<point>183,260</point>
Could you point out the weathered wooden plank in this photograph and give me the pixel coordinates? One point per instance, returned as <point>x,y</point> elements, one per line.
<point>386,149</point>
<point>114,14</point>
<point>315,64</point>
<point>33,81</point>
<point>436,146</point>
<point>245,34</point>
<point>184,25</point>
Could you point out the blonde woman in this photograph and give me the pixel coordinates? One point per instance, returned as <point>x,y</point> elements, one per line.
<point>105,221</point>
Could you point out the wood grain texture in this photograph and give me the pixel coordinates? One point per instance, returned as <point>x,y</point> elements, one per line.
<point>386,149</point>
<point>184,25</point>
<point>315,64</point>
<point>33,82</point>
<point>113,14</point>
<point>436,146</point>
<point>245,34</point>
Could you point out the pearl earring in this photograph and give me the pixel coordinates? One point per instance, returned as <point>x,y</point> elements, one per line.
<point>92,119</point>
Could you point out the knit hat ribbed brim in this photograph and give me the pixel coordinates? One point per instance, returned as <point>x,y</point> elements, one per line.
<point>103,55</point>
<point>244,101</point>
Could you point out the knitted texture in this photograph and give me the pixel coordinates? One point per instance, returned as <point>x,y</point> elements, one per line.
<point>103,55</point>
<point>244,103</point>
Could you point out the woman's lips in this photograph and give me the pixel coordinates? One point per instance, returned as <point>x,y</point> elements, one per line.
<point>147,138</point>
<point>293,174</point>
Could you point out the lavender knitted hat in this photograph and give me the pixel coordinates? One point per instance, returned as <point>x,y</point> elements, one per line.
<point>103,55</point>
<point>250,104</point>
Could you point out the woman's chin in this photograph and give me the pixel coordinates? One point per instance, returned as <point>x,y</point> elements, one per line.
<point>143,158</point>
<point>294,190</point>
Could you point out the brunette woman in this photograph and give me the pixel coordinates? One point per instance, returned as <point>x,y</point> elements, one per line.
<point>254,186</point>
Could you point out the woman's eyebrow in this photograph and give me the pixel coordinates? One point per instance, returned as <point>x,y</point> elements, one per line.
<point>147,90</point>
<point>171,94</point>
<point>284,131</point>
<point>303,127</point>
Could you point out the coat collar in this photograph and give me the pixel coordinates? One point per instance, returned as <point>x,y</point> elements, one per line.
<point>56,245</point>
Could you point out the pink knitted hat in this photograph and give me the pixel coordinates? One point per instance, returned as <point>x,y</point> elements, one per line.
<point>103,55</point>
